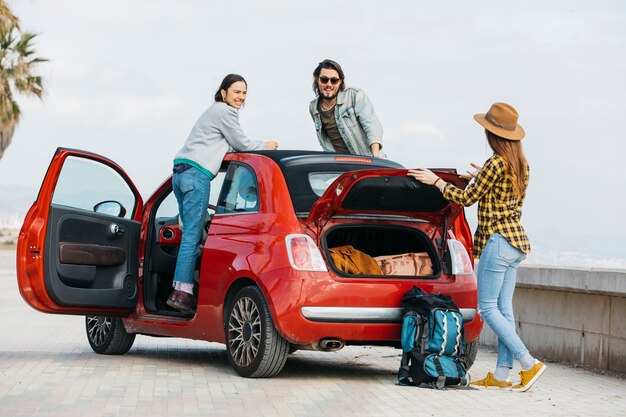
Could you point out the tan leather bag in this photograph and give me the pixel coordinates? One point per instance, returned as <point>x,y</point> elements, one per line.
<point>353,261</point>
<point>418,264</point>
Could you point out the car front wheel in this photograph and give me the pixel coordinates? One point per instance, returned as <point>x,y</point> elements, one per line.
<point>108,336</point>
<point>255,349</point>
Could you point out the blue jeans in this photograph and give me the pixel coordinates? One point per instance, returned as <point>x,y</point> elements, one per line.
<point>191,188</point>
<point>496,275</point>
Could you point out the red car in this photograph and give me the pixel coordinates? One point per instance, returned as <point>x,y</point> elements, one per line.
<point>267,284</point>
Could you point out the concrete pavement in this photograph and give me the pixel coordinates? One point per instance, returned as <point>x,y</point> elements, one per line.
<point>48,369</point>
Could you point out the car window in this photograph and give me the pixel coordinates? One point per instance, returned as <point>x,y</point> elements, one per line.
<point>239,192</point>
<point>320,181</point>
<point>168,207</point>
<point>84,183</point>
<point>216,186</point>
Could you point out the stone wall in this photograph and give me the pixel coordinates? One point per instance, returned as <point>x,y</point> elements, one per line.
<point>571,315</point>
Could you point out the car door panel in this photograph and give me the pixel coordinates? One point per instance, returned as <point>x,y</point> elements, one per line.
<point>72,259</point>
<point>95,265</point>
<point>90,254</point>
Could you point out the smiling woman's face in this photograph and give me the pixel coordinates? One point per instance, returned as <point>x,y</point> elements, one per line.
<point>235,96</point>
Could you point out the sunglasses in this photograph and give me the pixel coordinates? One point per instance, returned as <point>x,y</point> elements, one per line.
<point>333,80</point>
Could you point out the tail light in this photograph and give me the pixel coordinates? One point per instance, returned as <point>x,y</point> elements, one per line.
<point>461,262</point>
<point>304,254</point>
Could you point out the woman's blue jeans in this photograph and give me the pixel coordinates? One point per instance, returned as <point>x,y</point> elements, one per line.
<point>191,188</point>
<point>496,275</point>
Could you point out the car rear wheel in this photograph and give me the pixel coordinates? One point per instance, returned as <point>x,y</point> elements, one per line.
<point>471,350</point>
<point>255,349</point>
<point>108,336</point>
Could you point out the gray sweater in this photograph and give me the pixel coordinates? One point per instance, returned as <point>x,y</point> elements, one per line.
<point>216,132</point>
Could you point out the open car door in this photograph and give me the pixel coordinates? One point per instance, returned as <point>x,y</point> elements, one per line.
<point>77,251</point>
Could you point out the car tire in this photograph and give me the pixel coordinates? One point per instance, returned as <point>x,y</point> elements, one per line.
<point>108,336</point>
<point>471,350</point>
<point>255,349</point>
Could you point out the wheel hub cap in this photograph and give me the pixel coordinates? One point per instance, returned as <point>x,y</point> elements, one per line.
<point>247,332</point>
<point>244,332</point>
<point>98,329</point>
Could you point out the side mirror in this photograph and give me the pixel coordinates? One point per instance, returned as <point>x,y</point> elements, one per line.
<point>110,207</point>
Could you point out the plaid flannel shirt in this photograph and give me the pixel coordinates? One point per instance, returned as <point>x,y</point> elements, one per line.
<point>499,211</point>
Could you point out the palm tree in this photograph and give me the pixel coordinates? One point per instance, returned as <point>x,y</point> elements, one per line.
<point>17,66</point>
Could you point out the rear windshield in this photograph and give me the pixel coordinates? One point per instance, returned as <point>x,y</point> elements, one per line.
<point>308,181</point>
<point>319,181</point>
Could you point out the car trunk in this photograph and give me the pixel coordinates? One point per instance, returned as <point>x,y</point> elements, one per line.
<point>389,196</point>
<point>378,241</point>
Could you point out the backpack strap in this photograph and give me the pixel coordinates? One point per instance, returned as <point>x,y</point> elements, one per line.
<point>459,368</point>
<point>445,332</point>
<point>459,333</point>
<point>438,366</point>
<point>404,373</point>
<point>441,379</point>
<point>420,322</point>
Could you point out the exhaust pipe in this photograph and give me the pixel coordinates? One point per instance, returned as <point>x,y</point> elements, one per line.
<point>330,345</point>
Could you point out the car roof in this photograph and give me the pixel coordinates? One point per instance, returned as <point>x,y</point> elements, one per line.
<point>286,158</point>
<point>297,165</point>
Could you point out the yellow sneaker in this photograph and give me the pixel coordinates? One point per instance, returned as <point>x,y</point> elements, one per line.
<point>490,382</point>
<point>528,378</point>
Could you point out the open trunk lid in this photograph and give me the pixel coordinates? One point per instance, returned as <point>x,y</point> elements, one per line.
<point>387,192</point>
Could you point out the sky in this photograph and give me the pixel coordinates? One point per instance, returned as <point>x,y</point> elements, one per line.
<point>129,79</point>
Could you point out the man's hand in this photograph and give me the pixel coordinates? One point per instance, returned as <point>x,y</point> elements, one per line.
<point>376,150</point>
<point>271,145</point>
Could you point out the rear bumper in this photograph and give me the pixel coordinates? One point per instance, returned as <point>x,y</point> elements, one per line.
<point>365,314</point>
<point>310,306</point>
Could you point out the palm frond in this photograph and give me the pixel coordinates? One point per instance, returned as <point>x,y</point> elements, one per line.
<point>9,109</point>
<point>7,39</point>
<point>31,85</point>
<point>37,61</point>
<point>17,72</point>
<point>7,18</point>
<point>23,47</point>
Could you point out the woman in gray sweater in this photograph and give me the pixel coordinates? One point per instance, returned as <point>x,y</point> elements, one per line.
<point>215,133</point>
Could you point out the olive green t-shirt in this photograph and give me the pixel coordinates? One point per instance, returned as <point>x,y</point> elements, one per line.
<point>329,124</point>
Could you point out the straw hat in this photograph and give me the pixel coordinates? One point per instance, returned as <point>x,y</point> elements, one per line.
<point>501,119</point>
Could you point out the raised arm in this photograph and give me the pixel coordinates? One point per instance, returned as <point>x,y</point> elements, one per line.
<point>364,110</point>
<point>235,135</point>
<point>490,173</point>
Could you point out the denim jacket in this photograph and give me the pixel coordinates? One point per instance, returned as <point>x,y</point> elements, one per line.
<point>357,123</point>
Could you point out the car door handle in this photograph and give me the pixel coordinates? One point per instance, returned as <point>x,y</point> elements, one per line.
<point>115,230</point>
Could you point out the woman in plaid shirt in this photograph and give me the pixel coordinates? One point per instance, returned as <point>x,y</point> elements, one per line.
<point>500,241</point>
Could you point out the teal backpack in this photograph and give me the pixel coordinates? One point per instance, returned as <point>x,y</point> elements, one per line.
<point>433,341</point>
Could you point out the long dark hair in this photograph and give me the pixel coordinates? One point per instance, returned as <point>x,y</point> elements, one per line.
<point>328,64</point>
<point>229,80</point>
<point>511,151</point>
